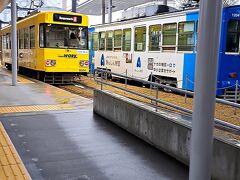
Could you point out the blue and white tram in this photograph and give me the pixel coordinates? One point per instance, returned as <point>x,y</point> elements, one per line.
<point>165,45</point>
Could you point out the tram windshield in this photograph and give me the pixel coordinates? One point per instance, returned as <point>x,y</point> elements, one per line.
<point>62,36</point>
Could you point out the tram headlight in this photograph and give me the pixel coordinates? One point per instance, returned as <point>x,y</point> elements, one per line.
<point>50,63</point>
<point>83,63</point>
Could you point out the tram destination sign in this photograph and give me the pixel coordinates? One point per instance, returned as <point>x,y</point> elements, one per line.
<point>67,18</point>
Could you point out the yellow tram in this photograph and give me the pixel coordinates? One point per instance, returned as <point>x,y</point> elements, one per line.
<point>52,46</point>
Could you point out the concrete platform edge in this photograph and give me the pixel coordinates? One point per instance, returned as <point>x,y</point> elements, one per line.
<point>167,133</point>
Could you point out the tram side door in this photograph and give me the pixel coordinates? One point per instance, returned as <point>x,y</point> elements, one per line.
<point>127,51</point>
<point>139,55</point>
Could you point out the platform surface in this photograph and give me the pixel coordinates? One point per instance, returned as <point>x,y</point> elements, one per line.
<point>58,137</point>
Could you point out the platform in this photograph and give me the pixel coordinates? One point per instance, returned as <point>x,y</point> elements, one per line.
<point>57,136</point>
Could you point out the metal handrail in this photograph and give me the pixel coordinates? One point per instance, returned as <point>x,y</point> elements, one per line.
<point>177,90</point>
<point>218,122</point>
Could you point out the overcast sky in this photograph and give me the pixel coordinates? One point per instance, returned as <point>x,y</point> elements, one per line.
<point>5,15</point>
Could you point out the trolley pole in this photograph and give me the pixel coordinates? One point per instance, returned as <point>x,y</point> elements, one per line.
<point>103,11</point>
<point>14,41</point>
<point>205,89</point>
<point>74,5</point>
<point>110,11</point>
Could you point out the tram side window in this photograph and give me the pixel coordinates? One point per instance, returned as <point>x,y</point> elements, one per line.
<point>41,36</point>
<point>21,34</point>
<point>32,37</point>
<point>140,39</point>
<point>8,41</point>
<point>196,35</point>
<point>102,41</point>
<point>126,46</point>
<point>118,40</point>
<point>233,33</point>
<point>109,40</point>
<point>169,36</point>
<point>26,38</point>
<point>4,43</point>
<point>186,36</point>
<point>154,37</point>
<point>95,41</point>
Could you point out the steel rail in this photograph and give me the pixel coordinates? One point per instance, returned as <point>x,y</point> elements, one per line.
<point>217,121</point>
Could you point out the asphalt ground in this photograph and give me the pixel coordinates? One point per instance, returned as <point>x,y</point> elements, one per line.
<point>81,145</point>
<point>71,142</point>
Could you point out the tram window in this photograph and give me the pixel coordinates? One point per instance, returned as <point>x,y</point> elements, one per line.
<point>126,46</point>
<point>32,37</point>
<point>109,40</point>
<point>186,36</point>
<point>197,25</point>
<point>95,41</point>
<point>140,39</point>
<point>154,37</point>
<point>21,34</point>
<point>102,41</point>
<point>26,38</point>
<point>233,33</point>
<point>117,39</point>
<point>62,36</point>
<point>4,43</point>
<point>8,41</point>
<point>169,36</point>
<point>41,36</point>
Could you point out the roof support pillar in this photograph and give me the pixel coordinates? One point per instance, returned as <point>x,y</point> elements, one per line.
<point>74,5</point>
<point>110,11</point>
<point>165,2</point>
<point>205,89</point>
<point>103,11</point>
<point>14,41</point>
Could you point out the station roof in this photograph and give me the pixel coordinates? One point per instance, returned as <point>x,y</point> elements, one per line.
<point>3,4</point>
<point>93,7</point>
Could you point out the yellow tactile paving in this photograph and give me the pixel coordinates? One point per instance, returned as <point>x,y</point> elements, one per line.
<point>20,109</point>
<point>11,165</point>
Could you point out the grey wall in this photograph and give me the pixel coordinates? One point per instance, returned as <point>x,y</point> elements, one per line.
<point>167,131</point>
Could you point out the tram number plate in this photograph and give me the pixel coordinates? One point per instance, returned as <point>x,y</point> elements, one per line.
<point>82,70</point>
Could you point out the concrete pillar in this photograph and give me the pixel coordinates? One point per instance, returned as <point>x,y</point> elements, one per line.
<point>165,2</point>
<point>110,11</point>
<point>74,5</point>
<point>103,11</point>
<point>14,41</point>
<point>205,89</point>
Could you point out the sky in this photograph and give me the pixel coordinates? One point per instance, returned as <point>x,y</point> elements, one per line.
<point>5,15</point>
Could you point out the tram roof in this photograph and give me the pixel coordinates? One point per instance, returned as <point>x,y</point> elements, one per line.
<point>3,4</point>
<point>93,7</point>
